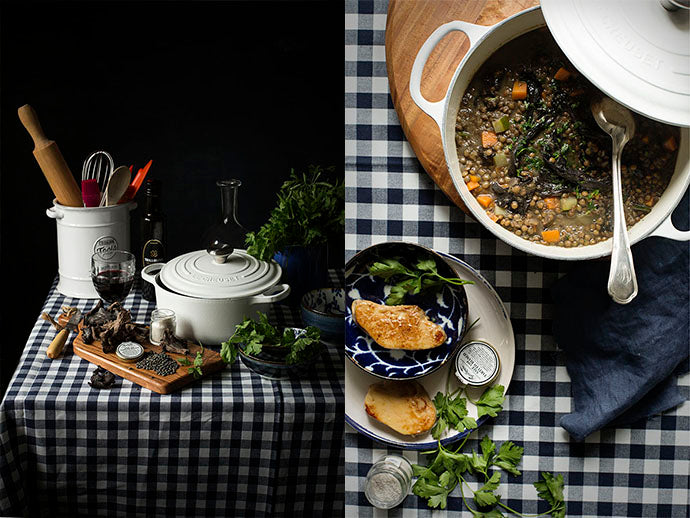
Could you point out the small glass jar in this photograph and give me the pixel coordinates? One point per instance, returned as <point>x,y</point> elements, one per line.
<point>161,320</point>
<point>388,481</point>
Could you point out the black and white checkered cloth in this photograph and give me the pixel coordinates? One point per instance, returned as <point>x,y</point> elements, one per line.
<point>231,444</point>
<point>635,471</point>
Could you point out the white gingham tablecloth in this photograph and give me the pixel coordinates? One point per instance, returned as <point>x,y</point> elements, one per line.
<point>640,470</point>
<point>232,444</point>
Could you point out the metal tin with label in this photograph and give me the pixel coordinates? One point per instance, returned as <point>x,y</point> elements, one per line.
<point>477,364</point>
<point>129,351</point>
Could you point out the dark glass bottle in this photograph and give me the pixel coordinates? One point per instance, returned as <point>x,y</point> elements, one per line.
<point>152,234</point>
<point>228,234</point>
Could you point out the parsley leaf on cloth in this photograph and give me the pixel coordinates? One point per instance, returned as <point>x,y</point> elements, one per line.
<point>491,401</point>
<point>550,488</point>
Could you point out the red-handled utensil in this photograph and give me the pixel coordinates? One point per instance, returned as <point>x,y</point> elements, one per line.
<point>133,187</point>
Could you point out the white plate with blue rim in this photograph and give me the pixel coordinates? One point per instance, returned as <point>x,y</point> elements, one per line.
<point>493,326</point>
<point>445,305</point>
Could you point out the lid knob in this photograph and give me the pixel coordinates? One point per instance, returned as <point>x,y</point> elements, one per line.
<point>674,5</point>
<point>219,251</point>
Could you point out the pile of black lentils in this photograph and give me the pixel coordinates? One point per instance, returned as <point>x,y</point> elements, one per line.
<point>161,363</point>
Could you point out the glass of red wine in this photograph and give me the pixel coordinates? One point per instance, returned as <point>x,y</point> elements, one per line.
<point>112,273</point>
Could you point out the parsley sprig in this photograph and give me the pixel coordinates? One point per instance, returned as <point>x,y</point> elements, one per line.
<point>195,367</point>
<point>410,279</point>
<point>448,470</point>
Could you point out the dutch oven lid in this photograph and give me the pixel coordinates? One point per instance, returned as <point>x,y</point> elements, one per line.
<point>636,51</point>
<point>200,274</point>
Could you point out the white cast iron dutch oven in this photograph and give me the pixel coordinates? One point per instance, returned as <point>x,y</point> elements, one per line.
<point>484,41</point>
<point>211,294</point>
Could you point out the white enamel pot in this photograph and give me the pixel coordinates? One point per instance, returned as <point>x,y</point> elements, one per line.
<point>484,41</point>
<point>210,297</point>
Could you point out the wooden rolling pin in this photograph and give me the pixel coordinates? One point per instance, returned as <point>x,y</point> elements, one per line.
<point>50,160</point>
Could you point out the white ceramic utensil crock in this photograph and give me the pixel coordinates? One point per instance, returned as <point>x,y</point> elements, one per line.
<point>81,232</point>
<point>210,294</point>
<point>484,41</point>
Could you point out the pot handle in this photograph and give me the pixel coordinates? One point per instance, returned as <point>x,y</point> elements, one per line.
<point>435,109</point>
<point>148,273</point>
<point>54,213</point>
<point>283,290</point>
<point>669,231</point>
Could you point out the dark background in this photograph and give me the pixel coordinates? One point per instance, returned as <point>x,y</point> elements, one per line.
<point>207,90</point>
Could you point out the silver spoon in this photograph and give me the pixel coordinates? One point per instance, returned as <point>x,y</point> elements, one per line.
<point>617,121</point>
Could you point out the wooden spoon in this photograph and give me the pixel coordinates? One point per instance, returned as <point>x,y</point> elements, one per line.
<point>117,186</point>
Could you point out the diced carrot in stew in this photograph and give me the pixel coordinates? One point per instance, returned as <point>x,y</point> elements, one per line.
<point>474,178</point>
<point>670,143</point>
<point>562,74</point>
<point>489,138</point>
<point>551,236</point>
<point>493,217</point>
<point>551,202</point>
<point>485,200</point>
<point>472,185</point>
<point>519,90</point>
<point>649,202</point>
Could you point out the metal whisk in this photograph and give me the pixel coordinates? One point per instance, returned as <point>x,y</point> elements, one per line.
<point>99,166</point>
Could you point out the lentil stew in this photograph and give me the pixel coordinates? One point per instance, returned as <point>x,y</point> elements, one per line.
<point>534,158</point>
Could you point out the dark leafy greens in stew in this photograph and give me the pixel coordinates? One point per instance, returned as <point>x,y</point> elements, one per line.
<point>532,155</point>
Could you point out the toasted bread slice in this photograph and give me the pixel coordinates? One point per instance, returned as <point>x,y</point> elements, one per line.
<point>402,405</point>
<point>398,327</point>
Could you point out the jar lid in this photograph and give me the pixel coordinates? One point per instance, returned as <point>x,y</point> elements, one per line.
<point>129,351</point>
<point>477,364</point>
<point>200,274</point>
<point>635,51</point>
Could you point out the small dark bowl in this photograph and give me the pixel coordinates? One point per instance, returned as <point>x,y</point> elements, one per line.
<point>324,308</point>
<point>270,362</point>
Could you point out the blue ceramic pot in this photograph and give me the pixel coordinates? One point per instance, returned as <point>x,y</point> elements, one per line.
<point>304,268</point>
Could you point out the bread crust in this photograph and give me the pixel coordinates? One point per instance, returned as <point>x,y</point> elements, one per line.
<point>403,406</point>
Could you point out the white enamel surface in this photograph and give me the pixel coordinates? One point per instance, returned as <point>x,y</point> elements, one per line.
<point>493,327</point>
<point>634,50</point>
<point>499,35</point>
<point>196,274</point>
<point>210,321</point>
<point>81,232</point>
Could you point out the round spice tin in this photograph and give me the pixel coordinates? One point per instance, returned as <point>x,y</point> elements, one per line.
<point>129,351</point>
<point>477,364</point>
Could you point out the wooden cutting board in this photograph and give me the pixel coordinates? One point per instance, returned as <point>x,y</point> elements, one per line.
<point>146,378</point>
<point>408,25</point>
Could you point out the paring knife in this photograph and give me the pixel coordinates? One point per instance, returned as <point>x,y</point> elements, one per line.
<point>57,345</point>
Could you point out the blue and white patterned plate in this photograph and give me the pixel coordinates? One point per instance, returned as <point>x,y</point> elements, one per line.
<point>446,306</point>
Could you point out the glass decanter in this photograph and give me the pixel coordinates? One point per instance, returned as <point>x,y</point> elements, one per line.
<point>227,235</point>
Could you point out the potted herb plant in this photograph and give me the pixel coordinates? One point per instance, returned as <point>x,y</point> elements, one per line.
<point>309,211</point>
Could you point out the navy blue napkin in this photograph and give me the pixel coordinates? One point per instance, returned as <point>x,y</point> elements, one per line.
<point>623,359</point>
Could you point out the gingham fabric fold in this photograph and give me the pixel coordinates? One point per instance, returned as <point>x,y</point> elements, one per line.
<point>231,444</point>
<point>637,470</point>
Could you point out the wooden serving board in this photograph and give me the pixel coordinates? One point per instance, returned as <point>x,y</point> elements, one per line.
<point>408,25</point>
<point>146,378</point>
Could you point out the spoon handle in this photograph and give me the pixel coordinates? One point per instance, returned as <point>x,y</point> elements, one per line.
<point>622,283</point>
